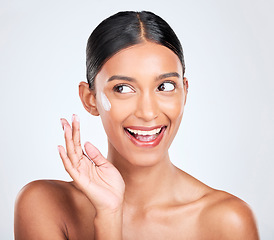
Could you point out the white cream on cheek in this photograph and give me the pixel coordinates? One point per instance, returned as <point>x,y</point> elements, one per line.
<point>105,102</point>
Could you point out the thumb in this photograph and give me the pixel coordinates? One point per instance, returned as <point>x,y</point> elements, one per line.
<point>94,154</point>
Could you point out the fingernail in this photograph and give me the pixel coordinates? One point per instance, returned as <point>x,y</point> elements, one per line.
<point>75,117</point>
<point>58,148</point>
<point>62,123</point>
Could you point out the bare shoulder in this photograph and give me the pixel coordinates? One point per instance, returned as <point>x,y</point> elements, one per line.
<point>43,190</point>
<point>45,208</point>
<point>225,216</point>
<point>46,193</point>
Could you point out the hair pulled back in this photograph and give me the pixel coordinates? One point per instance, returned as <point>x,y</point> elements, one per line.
<point>125,29</point>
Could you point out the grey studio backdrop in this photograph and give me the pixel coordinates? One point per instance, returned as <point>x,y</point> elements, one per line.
<point>227,134</point>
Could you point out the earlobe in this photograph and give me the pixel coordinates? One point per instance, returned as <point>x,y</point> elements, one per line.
<point>88,98</point>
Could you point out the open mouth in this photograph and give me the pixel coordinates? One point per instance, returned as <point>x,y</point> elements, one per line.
<point>145,138</point>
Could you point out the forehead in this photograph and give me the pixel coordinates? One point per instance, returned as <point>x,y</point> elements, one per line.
<point>142,60</point>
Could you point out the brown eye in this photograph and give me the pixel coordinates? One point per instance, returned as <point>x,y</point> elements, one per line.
<point>122,89</point>
<point>166,86</point>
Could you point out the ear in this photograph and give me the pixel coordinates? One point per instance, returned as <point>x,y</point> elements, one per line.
<point>185,88</point>
<point>88,98</point>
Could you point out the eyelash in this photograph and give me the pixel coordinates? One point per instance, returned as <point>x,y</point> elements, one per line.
<point>171,82</point>
<point>116,87</point>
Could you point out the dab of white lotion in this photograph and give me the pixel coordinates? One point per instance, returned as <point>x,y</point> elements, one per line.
<point>105,102</point>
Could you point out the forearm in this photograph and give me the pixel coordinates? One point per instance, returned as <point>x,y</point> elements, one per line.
<point>108,226</point>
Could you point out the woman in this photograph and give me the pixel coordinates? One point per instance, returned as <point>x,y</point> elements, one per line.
<point>136,83</point>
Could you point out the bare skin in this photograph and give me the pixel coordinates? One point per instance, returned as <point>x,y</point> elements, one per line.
<point>136,192</point>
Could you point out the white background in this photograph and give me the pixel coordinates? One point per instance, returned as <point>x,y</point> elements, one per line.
<point>227,135</point>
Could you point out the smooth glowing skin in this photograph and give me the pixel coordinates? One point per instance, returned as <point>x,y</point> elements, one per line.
<point>138,193</point>
<point>144,106</point>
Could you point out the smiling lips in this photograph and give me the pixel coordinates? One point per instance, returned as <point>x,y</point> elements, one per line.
<point>145,136</point>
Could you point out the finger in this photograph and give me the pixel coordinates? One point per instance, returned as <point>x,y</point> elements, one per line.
<point>69,143</point>
<point>94,154</point>
<point>76,135</point>
<point>66,162</point>
<point>63,122</point>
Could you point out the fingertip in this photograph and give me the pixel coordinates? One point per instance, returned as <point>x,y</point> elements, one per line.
<point>62,123</point>
<point>89,147</point>
<point>59,148</point>
<point>87,143</point>
<point>75,117</point>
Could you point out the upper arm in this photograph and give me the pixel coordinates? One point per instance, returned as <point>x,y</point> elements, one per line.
<point>231,219</point>
<point>239,222</point>
<point>36,216</point>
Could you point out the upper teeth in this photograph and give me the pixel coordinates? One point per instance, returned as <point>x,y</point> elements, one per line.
<point>140,132</point>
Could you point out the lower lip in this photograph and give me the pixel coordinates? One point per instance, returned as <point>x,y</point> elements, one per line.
<point>147,144</point>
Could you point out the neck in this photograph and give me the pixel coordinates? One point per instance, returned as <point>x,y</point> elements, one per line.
<point>146,185</point>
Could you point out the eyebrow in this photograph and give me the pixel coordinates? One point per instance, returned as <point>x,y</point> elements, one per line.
<point>167,75</point>
<point>119,77</point>
<point>130,79</point>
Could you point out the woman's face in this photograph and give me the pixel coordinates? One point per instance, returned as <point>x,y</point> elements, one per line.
<point>140,96</point>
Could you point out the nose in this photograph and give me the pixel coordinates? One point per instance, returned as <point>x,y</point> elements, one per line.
<point>147,107</point>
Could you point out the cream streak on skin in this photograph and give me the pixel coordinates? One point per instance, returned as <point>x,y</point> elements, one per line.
<point>105,102</point>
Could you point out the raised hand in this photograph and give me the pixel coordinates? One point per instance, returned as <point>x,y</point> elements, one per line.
<point>98,179</point>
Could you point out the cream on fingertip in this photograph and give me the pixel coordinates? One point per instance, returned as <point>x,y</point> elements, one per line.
<point>75,118</point>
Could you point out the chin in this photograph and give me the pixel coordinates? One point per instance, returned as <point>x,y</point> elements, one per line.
<point>142,157</point>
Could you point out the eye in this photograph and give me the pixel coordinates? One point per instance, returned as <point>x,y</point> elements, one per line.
<point>166,86</point>
<point>122,89</point>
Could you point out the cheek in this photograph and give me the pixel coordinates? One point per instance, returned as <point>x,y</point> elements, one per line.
<point>173,107</point>
<point>117,114</point>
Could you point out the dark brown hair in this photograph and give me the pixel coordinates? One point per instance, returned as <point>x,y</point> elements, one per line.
<point>125,29</point>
